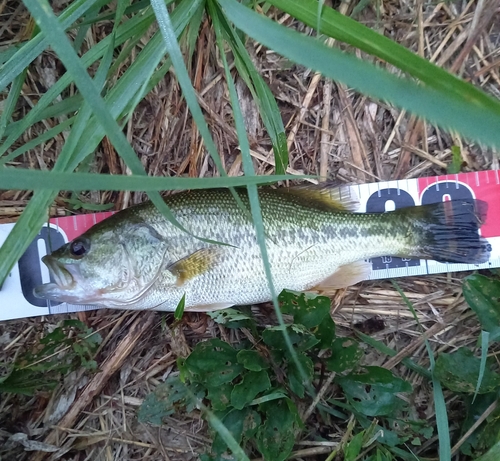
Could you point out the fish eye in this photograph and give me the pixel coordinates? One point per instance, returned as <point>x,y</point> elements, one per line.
<point>79,247</point>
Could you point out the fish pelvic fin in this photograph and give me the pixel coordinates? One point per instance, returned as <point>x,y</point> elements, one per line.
<point>324,196</point>
<point>449,231</point>
<point>343,277</point>
<point>195,264</point>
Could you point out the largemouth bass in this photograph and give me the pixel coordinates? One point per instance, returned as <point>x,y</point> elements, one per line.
<point>137,259</point>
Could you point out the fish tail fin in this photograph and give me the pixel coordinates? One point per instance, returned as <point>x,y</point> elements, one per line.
<point>448,231</point>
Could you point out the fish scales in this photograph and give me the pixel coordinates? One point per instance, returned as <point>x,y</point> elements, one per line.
<point>138,259</point>
<point>301,244</point>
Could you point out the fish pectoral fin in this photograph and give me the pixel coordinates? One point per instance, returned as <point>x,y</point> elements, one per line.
<point>208,307</point>
<point>344,276</point>
<point>195,264</point>
<point>325,196</point>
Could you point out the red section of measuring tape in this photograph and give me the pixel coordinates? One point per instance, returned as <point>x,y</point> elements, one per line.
<point>484,185</point>
<point>73,226</point>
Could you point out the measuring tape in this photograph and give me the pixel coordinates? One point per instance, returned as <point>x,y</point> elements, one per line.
<point>17,299</point>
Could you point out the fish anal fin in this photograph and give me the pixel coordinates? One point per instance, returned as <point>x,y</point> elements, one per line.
<point>344,276</point>
<point>325,196</point>
<point>195,264</point>
<point>208,307</point>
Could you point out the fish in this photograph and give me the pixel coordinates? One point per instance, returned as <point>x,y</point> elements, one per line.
<point>315,240</point>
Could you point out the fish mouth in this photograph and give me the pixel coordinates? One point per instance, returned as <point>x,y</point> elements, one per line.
<point>63,278</point>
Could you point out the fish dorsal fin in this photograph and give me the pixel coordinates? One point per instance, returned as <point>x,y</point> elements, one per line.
<point>324,196</point>
<point>344,276</point>
<point>195,264</point>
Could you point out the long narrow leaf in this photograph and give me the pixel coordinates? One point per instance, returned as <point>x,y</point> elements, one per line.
<point>253,193</point>
<point>27,53</point>
<point>343,28</point>
<point>448,110</point>
<point>442,423</point>
<point>188,91</point>
<point>41,110</point>
<point>29,223</point>
<point>23,179</point>
<point>266,103</point>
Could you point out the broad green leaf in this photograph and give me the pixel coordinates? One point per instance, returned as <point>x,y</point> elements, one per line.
<point>374,392</point>
<point>25,382</point>
<point>307,309</point>
<point>252,384</point>
<point>483,296</point>
<point>487,433</point>
<point>252,360</point>
<point>296,380</point>
<point>159,404</point>
<point>325,332</point>
<point>232,318</point>
<point>273,337</point>
<point>237,423</point>
<point>300,337</point>
<point>276,436</point>
<point>345,355</point>
<point>493,454</point>
<point>214,362</point>
<point>225,434</point>
<point>219,396</point>
<point>354,446</point>
<point>459,371</point>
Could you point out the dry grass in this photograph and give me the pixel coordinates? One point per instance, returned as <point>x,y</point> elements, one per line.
<point>331,131</point>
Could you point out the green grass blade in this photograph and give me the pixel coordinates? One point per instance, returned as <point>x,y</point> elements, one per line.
<point>381,347</point>
<point>11,101</point>
<point>36,211</point>
<point>266,103</point>
<point>253,194</point>
<point>442,423</point>
<point>226,435</point>
<point>29,222</point>
<point>105,16</point>
<point>485,339</point>
<point>25,179</point>
<point>28,52</point>
<point>44,137</point>
<point>173,49</point>
<point>42,110</point>
<point>345,29</point>
<point>447,110</point>
<point>48,23</point>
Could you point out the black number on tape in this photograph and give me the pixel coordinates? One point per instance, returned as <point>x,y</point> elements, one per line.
<point>444,191</point>
<point>30,265</point>
<point>378,203</point>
